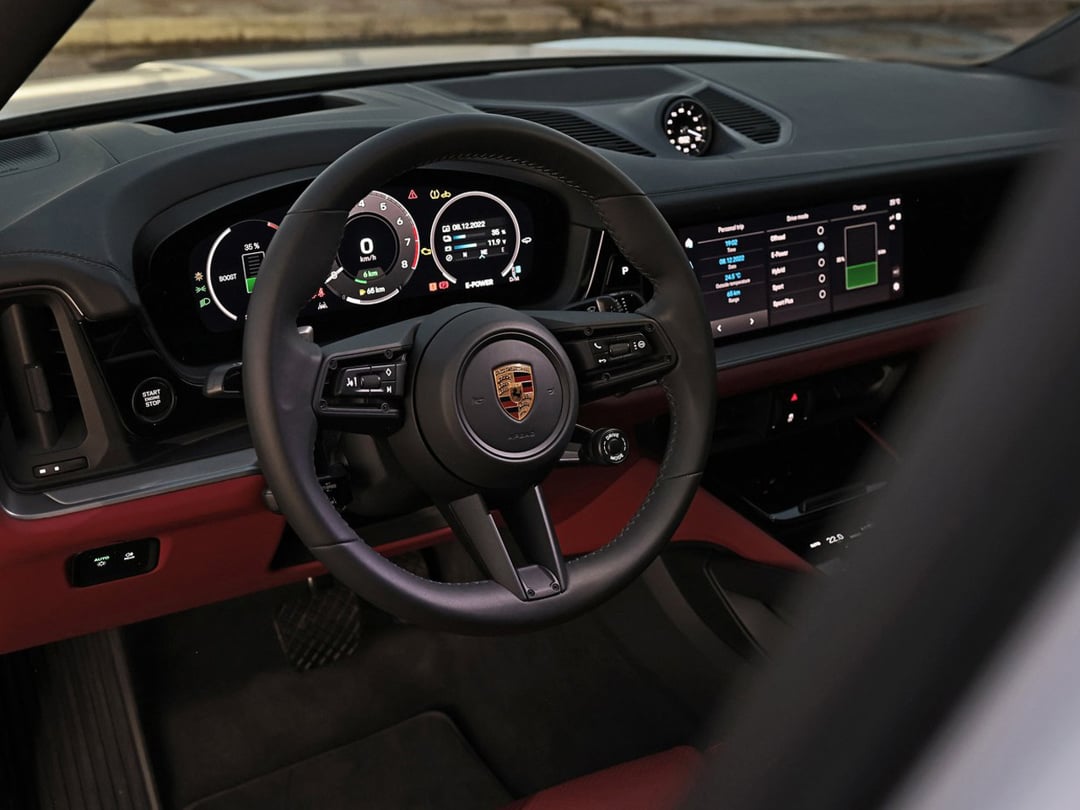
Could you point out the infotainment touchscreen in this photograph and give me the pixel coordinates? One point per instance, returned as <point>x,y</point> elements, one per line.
<point>764,271</point>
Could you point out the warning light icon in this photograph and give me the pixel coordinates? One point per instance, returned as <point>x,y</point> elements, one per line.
<point>412,193</point>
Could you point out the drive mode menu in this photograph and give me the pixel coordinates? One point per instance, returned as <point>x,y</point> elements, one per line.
<point>770,270</point>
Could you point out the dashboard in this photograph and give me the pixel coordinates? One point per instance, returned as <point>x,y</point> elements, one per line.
<point>831,209</point>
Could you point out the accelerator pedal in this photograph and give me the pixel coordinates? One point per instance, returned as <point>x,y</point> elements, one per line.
<point>320,626</point>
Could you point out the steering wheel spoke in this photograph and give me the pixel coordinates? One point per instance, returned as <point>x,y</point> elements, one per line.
<point>362,380</point>
<point>611,351</point>
<point>543,571</point>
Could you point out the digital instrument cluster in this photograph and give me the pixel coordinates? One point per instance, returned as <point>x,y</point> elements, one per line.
<point>416,239</point>
<point>430,239</point>
<point>766,271</point>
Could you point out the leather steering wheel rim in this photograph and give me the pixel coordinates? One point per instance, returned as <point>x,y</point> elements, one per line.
<point>281,371</point>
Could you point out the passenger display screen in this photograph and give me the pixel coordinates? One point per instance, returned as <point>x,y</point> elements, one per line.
<point>765,271</point>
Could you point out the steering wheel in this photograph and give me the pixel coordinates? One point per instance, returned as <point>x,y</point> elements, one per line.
<point>476,401</point>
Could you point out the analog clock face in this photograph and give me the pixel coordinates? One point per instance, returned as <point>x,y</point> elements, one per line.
<point>688,127</point>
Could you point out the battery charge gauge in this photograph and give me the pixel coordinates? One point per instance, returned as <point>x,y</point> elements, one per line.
<point>233,266</point>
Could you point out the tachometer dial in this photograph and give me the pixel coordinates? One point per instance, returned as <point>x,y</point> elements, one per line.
<point>688,126</point>
<point>232,266</point>
<point>476,238</point>
<point>378,253</point>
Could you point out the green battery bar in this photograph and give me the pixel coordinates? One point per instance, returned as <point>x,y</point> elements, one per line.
<point>862,275</point>
<point>252,262</point>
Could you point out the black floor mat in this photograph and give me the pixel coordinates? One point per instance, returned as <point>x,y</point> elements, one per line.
<point>221,705</point>
<point>448,775</point>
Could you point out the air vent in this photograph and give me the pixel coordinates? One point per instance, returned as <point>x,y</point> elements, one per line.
<point>26,153</point>
<point>38,387</point>
<point>246,112</point>
<point>58,374</point>
<point>576,127</point>
<point>734,114</point>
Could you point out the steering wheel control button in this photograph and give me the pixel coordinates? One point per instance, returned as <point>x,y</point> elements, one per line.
<point>153,400</point>
<point>363,393</point>
<point>118,561</point>
<point>605,351</point>
<point>367,380</point>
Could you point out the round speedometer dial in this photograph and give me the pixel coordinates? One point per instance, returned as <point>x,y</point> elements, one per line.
<point>379,251</point>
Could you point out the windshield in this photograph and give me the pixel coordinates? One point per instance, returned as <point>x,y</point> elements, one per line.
<point>183,40</point>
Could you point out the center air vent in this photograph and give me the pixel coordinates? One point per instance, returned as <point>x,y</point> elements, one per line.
<point>575,126</point>
<point>748,121</point>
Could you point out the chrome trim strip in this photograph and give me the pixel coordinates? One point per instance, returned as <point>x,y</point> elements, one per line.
<point>595,265</point>
<point>13,291</point>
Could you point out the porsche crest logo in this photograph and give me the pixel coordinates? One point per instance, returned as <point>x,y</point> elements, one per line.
<point>514,388</point>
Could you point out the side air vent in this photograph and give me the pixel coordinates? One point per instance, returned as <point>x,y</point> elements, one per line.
<point>38,388</point>
<point>26,153</point>
<point>575,126</point>
<point>749,121</point>
<point>248,111</point>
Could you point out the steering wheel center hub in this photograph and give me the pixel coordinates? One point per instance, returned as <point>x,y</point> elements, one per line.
<point>495,396</point>
<point>511,397</point>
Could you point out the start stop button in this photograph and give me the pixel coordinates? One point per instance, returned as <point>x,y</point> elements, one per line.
<point>153,399</point>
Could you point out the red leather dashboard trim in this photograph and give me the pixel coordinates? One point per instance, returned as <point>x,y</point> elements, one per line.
<point>590,506</point>
<point>217,540</point>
